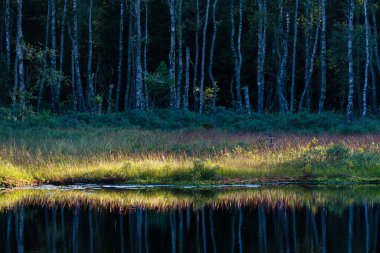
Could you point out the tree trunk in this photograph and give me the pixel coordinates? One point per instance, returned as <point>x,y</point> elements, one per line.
<point>295,39</point>
<point>139,74</point>
<point>351,75</point>
<point>262,4</point>
<point>196,61</point>
<point>80,95</point>
<point>180,56</point>
<point>282,59</point>
<point>238,103</point>
<point>246,98</point>
<point>201,86</point>
<point>20,57</point>
<point>323,58</point>
<point>240,57</point>
<point>374,93</point>
<point>109,99</point>
<point>61,54</point>
<point>375,38</point>
<point>120,64</point>
<point>45,58</point>
<point>187,86</point>
<point>91,92</point>
<point>7,25</point>
<point>146,43</point>
<point>172,54</point>
<point>212,57</point>
<point>74,89</point>
<point>15,86</point>
<point>309,66</point>
<point>129,64</point>
<point>53,59</point>
<point>367,32</point>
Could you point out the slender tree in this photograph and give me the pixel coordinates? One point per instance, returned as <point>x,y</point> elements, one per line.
<point>53,57</point>
<point>90,75</point>
<point>310,59</point>
<point>187,85</point>
<point>20,57</point>
<point>61,53</point>
<point>367,62</point>
<point>323,58</point>
<point>139,70</point>
<point>128,86</point>
<point>7,25</point>
<point>351,75</point>
<point>282,54</point>
<point>180,56</point>
<point>146,43</point>
<point>212,57</point>
<point>196,61</point>
<point>203,63</point>
<point>236,57</point>
<point>80,95</point>
<point>45,58</point>
<point>172,57</point>
<point>262,5</point>
<point>375,38</point>
<point>120,64</point>
<point>295,40</point>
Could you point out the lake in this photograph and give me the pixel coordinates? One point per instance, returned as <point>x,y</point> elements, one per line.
<point>268,218</point>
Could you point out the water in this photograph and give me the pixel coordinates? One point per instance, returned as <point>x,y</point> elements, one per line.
<point>190,219</point>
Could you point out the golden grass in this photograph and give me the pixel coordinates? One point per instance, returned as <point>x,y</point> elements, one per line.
<point>61,156</point>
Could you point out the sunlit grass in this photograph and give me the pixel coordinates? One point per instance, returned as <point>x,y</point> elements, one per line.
<point>94,155</point>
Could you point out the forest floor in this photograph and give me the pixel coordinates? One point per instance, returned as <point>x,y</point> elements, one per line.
<point>47,150</point>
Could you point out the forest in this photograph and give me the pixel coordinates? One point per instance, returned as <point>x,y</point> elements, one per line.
<point>250,56</point>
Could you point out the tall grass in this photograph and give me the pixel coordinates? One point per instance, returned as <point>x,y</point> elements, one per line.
<point>40,154</point>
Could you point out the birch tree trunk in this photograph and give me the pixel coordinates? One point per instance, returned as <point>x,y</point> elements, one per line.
<point>20,57</point>
<point>74,89</point>
<point>282,58</point>
<point>351,75</point>
<point>323,58</point>
<point>310,66</point>
<point>374,93</point>
<point>236,61</point>
<point>367,32</point>
<point>129,64</point>
<point>187,86</point>
<point>45,59</point>
<point>375,38</point>
<point>262,5</point>
<point>139,74</point>
<point>196,61</point>
<point>246,98</point>
<point>180,56</point>
<point>91,92</point>
<point>240,57</point>
<point>201,86</point>
<point>61,53</point>
<point>146,43</point>
<point>76,57</point>
<point>53,59</point>
<point>212,57</point>
<point>172,60</point>
<point>7,22</point>
<point>120,64</point>
<point>295,39</point>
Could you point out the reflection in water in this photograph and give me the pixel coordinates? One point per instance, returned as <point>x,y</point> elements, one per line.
<point>38,224</point>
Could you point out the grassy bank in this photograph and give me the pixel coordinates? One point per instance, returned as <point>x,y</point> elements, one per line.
<point>48,151</point>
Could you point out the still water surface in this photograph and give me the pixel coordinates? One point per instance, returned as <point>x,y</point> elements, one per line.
<point>223,219</point>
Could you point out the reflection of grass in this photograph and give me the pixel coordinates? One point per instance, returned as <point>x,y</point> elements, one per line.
<point>335,198</point>
<point>54,155</point>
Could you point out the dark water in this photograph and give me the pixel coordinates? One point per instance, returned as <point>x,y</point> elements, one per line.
<point>272,219</point>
